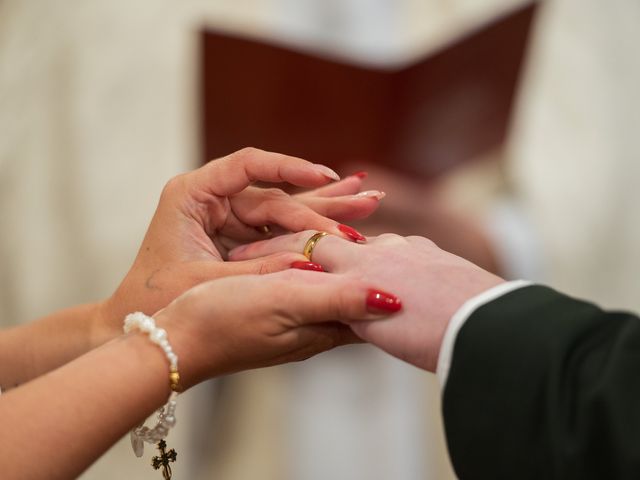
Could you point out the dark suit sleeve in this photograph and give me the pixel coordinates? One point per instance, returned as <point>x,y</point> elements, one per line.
<point>544,386</point>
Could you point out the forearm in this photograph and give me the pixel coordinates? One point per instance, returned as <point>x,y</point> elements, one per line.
<point>57,425</point>
<point>33,349</point>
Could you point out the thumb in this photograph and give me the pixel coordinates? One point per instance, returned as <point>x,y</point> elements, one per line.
<point>314,297</point>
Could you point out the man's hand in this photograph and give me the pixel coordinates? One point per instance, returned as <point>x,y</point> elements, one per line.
<point>433,285</point>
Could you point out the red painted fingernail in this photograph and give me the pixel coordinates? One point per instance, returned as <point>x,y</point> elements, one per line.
<point>315,267</point>
<point>379,301</point>
<point>352,233</point>
<point>361,174</point>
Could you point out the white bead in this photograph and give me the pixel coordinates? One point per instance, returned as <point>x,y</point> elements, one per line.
<point>158,335</point>
<point>147,324</point>
<point>166,417</point>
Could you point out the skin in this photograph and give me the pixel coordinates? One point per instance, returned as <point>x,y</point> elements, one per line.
<point>218,327</point>
<point>432,283</point>
<point>199,216</point>
<point>73,379</point>
<point>416,207</point>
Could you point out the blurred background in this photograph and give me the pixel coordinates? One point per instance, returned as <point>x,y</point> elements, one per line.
<point>505,130</point>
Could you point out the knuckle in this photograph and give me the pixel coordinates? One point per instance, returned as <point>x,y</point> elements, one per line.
<point>246,153</point>
<point>174,185</point>
<point>263,268</point>
<point>275,263</point>
<point>416,239</point>
<point>274,193</point>
<point>284,279</point>
<point>285,259</point>
<point>297,218</point>
<point>390,239</point>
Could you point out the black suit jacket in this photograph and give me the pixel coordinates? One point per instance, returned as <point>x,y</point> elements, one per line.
<point>544,386</point>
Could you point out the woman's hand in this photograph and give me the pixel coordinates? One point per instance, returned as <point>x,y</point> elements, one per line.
<point>219,327</point>
<point>245,322</point>
<point>203,213</point>
<point>432,283</point>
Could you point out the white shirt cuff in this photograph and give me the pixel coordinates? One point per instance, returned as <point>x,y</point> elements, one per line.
<point>460,317</point>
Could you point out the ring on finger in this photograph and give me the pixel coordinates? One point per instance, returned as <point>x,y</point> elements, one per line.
<point>307,251</point>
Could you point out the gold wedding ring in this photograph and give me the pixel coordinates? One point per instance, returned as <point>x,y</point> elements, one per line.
<point>311,244</point>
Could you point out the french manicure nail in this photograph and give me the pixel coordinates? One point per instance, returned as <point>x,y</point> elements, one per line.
<point>371,194</point>
<point>326,171</point>
<point>352,233</point>
<point>315,267</point>
<point>361,174</point>
<point>379,301</point>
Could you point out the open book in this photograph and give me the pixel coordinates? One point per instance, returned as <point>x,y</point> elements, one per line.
<point>450,106</point>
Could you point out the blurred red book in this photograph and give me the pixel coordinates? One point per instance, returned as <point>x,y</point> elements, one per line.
<point>451,106</point>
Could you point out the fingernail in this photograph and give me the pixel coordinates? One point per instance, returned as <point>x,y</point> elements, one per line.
<point>371,194</point>
<point>379,301</point>
<point>326,171</point>
<point>352,233</point>
<point>361,174</point>
<point>315,267</point>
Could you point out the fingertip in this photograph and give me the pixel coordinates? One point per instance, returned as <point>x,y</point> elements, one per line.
<point>363,303</point>
<point>326,171</point>
<point>381,302</point>
<point>361,174</point>
<point>306,265</point>
<point>351,233</point>
<point>374,194</point>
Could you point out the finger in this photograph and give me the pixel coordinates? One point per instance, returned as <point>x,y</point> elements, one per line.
<point>314,298</point>
<point>231,174</point>
<point>349,207</point>
<point>314,339</point>
<point>347,186</point>
<point>333,253</point>
<point>324,336</point>
<point>274,207</point>
<point>258,266</point>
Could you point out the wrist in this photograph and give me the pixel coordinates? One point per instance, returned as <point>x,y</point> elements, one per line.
<point>105,324</point>
<point>184,345</point>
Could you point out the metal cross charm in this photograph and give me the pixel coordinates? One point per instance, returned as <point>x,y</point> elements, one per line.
<point>164,459</point>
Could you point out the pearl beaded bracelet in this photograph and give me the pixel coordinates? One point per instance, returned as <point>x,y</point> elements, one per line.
<point>166,414</point>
